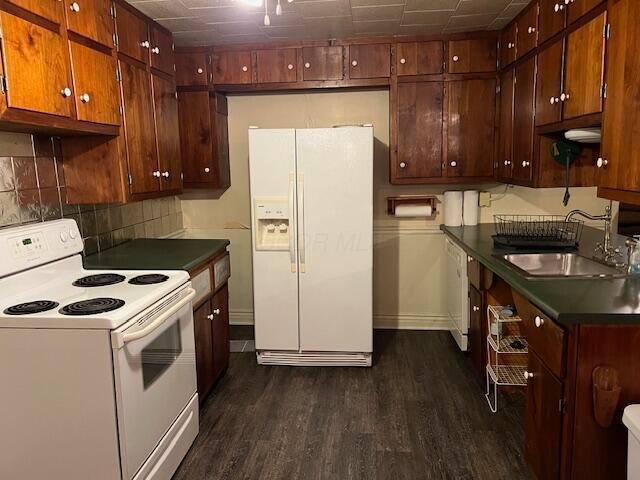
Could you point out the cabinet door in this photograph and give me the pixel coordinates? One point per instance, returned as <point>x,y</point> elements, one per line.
<point>523,120</point>
<point>370,61</point>
<point>232,67</point>
<point>191,69</point>
<point>543,421</point>
<point>219,122</point>
<point>419,130</point>
<point>551,19</point>
<point>419,58</point>
<point>139,129</point>
<point>220,330</point>
<point>202,328</point>
<point>195,137</point>
<point>584,69</point>
<point>527,38</point>
<point>32,52</point>
<point>323,63</point>
<point>470,128</point>
<point>578,8</point>
<point>49,9</point>
<point>162,51</point>
<point>275,66</point>
<point>549,84</point>
<point>96,85</point>
<point>133,34</point>
<point>620,146</point>
<point>505,145</point>
<point>477,340</point>
<point>508,45</point>
<point>470,56</point>
<point>167,132</point>
<point>91,19</point>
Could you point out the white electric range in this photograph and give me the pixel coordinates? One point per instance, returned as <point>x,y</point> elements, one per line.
<point>97,369</point>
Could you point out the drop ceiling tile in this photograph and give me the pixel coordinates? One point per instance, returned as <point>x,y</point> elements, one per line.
<point>512,10</point>
<point>236,28</point>
<point>285,31</point>
<point>382,26</point>
<point>162,9</point>
<point>255,38</point>
<point>196,38</point>
<point>499,23</point>
<point>435,17</point>
<point>332,26</point>
<point>423,5</point>
<point>183,24</point>
<point>420,29</point>
<point>323,8</point>
<point>373,3</point>
<point>388,12</point>
<point>207,3</point>
<point>469,7</point>
<point>471,21</point>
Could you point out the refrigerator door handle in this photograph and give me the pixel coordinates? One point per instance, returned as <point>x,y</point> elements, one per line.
<point>301,246</point>
<point>292,245</point>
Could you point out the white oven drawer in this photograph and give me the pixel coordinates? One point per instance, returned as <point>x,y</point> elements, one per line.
<point>201,283</point>
<point>221,271</point>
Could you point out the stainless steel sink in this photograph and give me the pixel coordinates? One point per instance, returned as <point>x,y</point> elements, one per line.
<point>560,265</point>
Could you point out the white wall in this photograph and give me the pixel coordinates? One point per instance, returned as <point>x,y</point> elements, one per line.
<point>407,253</point>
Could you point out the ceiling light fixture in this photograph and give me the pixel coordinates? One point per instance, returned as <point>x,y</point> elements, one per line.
<point>278,9</point>
<point>252,3</point>
<point>267,20</point>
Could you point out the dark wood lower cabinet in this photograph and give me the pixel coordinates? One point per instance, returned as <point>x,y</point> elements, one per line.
<point>202,327</point>
<point>220,331</point>
<point>477,331</point>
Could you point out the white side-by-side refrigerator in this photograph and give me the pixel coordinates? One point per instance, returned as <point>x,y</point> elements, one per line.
<point>312,229</point>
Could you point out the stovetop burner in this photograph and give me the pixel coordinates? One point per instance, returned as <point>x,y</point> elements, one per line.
<point>148,279</point>
<point>92,306</point>
<point>99,280</point>
<point>36,306</point>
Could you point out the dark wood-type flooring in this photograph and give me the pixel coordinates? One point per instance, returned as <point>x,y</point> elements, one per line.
<point>419,413</point>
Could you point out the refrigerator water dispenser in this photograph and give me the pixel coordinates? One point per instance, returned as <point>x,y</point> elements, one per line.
<point>272,223</point>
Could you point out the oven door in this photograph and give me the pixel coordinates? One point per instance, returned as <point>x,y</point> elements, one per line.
<point>155,375</point>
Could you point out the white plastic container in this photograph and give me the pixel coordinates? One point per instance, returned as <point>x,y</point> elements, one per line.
<point>631,418</point>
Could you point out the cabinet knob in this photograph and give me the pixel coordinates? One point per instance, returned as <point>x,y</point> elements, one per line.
<point>307,65</point>
<point>602,162</point>
<point>403,61</point>
<point>402,164</point>
<point>66,92</point>
<point>564,97</point>
<point>553,100</point>
<point>245,68</point>
<point>354,63</point>
<point>567,2</point>
<point>476,308</point>
<point>85,98</point>
<point>290,66</point>
<point>156,50</point>
<point>207,169</point>
<point>506,162</point>
<point>527,375</point>
<point>531,30</point>
<point>145,44</point>
<point>456,58</point>
<point>525,163</point>
<point>216,311</point>
<point>165,174</point>
<point>210,316</point>
<point>200,71</point>
<point>539,321</point>
<point>156,174</point>
<point>558,7</point>
<point>74,7</point>
<point>454,163</point>
<point>510,45</point>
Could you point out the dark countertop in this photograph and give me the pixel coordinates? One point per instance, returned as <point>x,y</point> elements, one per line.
<point>157,254</point>
<point>569,301</point>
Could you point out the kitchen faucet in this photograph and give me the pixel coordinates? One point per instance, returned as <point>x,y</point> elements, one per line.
<point>603,250</point>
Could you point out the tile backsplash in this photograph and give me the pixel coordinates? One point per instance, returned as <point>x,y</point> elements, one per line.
<point>32,189</point>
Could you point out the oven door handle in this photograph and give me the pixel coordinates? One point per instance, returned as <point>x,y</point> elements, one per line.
<point>123,338</point>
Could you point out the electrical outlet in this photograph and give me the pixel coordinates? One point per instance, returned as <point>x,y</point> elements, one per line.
<point>485,199</point>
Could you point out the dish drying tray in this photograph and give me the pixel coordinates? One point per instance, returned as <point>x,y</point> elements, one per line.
<point>537,231</point>
<point>507,351</point>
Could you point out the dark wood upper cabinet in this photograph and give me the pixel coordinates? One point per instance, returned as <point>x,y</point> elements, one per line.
<point>419,130</point>
<point>192,69</point>
<point>133,34</point>
<point>523,127</point>
<point>472,56</point>
<point>33,52</point>
<point>584,68</point>
<point>527,38</point>
<point>470,127</point>
<point>162,57</point>
<point>370,61</point>
<point>323,63</point>
<point>419,58</point>
<point>139,124</point>
<point>505,141</point>
<point>232,68</point>
<point>96,89</point>
<point>619,167</point>
<point>577,8</point>
<point>91,19</point>
<point>551,19</point>
<point>549,84</point>
<point>165,104</point>
<point>543,423</point>
<point>277,65</point>
<point>49,9</point>
<point>508,45</point>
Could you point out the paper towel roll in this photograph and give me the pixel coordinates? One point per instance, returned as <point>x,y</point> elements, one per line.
<point>453,208</point>
<point>470,208</point>
<point>413,210</point>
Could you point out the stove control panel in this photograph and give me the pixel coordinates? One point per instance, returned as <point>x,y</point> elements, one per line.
<point>26,245</point>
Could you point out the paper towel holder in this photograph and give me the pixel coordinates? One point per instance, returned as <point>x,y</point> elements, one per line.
<point>430,200</point>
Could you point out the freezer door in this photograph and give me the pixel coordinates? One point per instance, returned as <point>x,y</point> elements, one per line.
<point>272,164</point>
<point>335,237</point>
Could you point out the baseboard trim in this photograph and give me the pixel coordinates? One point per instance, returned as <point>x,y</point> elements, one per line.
<point>380,321</point>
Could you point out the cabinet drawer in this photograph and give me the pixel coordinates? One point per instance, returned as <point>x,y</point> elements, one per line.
<point>201,283</point>
<point>544,336</point>
<point>221,271</point>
